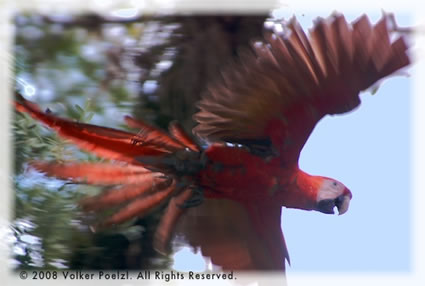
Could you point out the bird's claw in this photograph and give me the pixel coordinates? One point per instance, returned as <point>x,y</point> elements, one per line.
<point>196,199</point>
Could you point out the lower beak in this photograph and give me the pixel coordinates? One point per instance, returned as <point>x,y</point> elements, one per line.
<point>342,203</point>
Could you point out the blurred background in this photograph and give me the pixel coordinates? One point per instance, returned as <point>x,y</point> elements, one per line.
<point>97,68</point>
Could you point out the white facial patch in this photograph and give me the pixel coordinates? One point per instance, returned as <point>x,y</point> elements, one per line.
<point>330,190</point>
<point>333,192</point>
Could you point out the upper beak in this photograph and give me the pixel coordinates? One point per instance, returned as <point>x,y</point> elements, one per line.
<point>343,202</point>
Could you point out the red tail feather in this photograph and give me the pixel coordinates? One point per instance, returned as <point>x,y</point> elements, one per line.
<point>141,206</point>
<point>125,193</point>
<point>103,141</point>
<point>169,219</point>
<point>148,188</point>
<point>153,134</point>
<point>178,133</point>
<point>95,173</point>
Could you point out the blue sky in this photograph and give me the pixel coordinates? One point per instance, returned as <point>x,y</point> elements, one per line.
<point>367,150</point>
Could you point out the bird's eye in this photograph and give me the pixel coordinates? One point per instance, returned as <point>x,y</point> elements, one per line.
<point>334,184</point>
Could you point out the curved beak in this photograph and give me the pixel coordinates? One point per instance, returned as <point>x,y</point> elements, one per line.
<point>341,202</point>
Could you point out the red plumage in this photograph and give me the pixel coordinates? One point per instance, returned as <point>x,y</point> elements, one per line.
<point>257,120</point>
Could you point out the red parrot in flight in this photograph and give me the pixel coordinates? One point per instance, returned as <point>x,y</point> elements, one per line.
<point>227,195</point>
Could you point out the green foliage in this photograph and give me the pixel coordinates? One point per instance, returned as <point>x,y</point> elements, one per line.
<point>50,229</point>
<point>79,113</point>
<point>31,141</point>
<point>49,212</point>
<point>81,72</point>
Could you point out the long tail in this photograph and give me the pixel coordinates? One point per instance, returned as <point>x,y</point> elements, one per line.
<point>140,185</point>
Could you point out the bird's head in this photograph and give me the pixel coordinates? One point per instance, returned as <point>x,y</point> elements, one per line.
<point>331,194</point>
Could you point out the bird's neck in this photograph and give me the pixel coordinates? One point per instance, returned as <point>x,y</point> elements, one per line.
<point>301,191</point>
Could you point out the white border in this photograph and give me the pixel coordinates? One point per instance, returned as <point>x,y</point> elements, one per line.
<point>417,274</point>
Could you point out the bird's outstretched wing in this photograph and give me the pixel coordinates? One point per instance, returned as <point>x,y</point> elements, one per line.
<point>278,93</point>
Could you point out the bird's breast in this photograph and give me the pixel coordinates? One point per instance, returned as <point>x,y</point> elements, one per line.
<point>235,173</point>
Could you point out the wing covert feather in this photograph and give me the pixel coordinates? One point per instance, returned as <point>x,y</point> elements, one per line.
<point>316,75</point>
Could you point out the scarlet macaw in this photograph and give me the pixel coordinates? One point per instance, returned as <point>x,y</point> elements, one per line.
<point>256,119</point>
